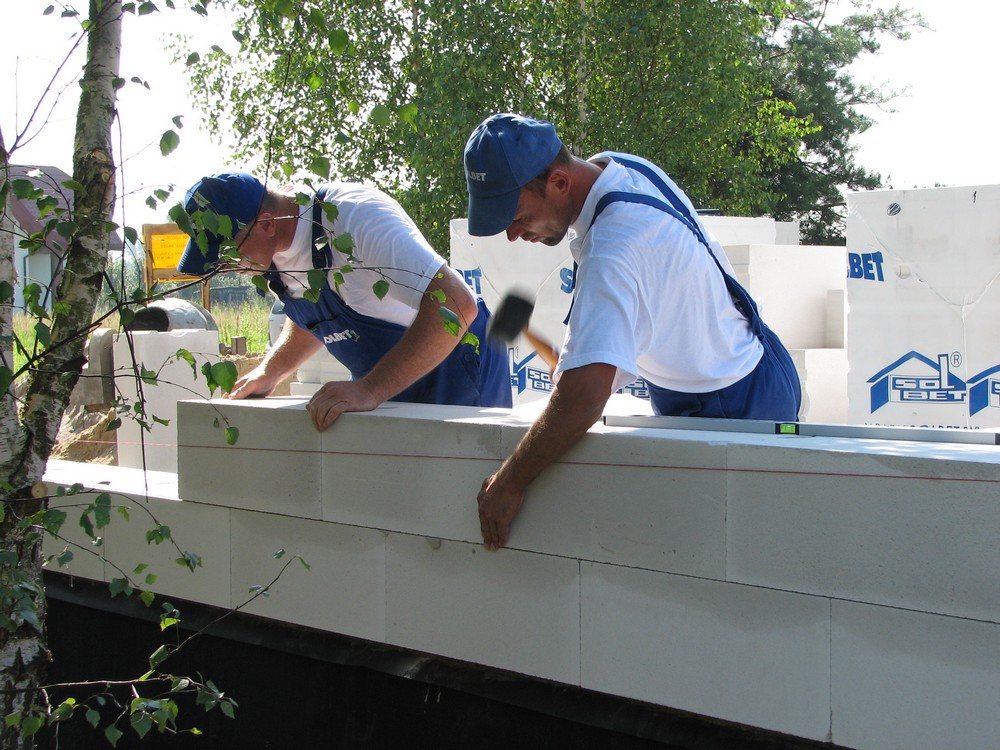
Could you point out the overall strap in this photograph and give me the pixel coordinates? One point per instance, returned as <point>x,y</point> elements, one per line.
<point>678,210</point>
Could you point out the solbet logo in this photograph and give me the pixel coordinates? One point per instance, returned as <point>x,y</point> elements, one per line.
<point>914,378</point>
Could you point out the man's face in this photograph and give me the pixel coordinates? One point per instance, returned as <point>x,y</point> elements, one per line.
<point>255,250</point>
<point>540,217</point>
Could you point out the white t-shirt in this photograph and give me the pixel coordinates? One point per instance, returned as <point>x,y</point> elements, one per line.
<point>386,242</point>
<point>649,298</point>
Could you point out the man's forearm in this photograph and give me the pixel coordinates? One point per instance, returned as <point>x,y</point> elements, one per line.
<point>426,342</point>
<point>293,347</point>
<point>575,405</point>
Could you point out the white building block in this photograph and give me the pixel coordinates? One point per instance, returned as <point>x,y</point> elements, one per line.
<point>823,377</point>
<point>512,610</point>
<point>923,306</point>
<point>200,530</point>
<point>744,230</point>
<point>897,523</point>
<point>156,448</point>
<point>400,473</point>
<point>343,589</point>
<point>752,656</point>
<point>790,284</point>
<point>631,497</point>
<point>275,465</point>
<point>906,680</point>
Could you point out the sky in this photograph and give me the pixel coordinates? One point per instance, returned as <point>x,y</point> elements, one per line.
<point>940,130</point>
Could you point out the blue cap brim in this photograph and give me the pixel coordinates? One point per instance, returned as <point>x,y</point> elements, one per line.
<point>194,262</point>
<point>492,215</point>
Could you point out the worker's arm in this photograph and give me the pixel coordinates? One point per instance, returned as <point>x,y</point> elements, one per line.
<point>293,347</point>
<point>576,404</point>
<point>422,348</point>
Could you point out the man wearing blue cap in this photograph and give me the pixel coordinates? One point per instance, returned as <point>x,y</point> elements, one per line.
<point>654,297</point>
<point>394,341</point>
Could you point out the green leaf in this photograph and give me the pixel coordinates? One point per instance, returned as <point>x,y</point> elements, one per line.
<point>192,59</point>
<point>339,41</point>
<point>343,243</point>
<point>53,520</point>
<point>471,339</point>
<point>31,724</point>
<point>43,334</point>
<point>190,560</point>
<point>408,114</point>
<point>380,288</point>
<point>168,142</point>
<point>147,597</point>
<point>102,510</point>
<point>158,656</point>
<point>224,374</point>
<point>112,734</point>
<point>141,723</point>
<point>380,115</point>
<point>73,185</point>
<point>320,166</point>
<point>232,435</point>
<point>93,718</point>
<point>189,358</point>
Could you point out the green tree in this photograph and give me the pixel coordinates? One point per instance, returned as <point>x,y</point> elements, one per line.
<point>392,92</point>
<point>29,422</point>
<point>808,61</point>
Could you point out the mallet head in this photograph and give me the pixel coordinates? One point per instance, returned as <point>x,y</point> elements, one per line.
<point>510,318</point>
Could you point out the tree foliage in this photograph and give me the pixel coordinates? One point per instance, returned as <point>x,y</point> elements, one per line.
<point>745,102</point>
<point>808,61</point>
<point>391,91</point>
<point>75,218</point>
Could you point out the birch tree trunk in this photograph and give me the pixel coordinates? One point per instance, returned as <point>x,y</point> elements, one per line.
<point>28,430</point>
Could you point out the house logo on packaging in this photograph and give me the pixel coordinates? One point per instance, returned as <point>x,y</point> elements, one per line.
<point>524,378</point>
<point>914,378</point>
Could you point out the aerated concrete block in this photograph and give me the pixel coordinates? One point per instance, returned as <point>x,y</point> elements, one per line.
<point>899,523</point>
<point>156,351</point>
<point>512,610</point>
<point>904,680</point>
<point>274,466</point>
<point>341,591</point>
<point>635,497</point>
<point>746,654</point>
<point>408,467</point>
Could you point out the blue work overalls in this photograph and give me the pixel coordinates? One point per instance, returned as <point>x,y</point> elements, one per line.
<point>465,377</point>
<point>772,391</point>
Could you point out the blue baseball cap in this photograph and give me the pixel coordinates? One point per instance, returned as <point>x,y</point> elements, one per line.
<point>504,154</point>
<point>237,195</point>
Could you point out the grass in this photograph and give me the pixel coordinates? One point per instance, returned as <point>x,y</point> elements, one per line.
<point>249,319</point>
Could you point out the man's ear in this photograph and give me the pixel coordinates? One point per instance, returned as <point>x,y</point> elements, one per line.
<point>265,224</point>
<point>559,180</point>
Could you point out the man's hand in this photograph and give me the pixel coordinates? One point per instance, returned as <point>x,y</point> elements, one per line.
<point>255,384</point>
<point>337,397</point>
<point>498,504</point>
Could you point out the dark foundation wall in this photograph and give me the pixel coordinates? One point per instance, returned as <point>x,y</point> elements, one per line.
<point>302,689</point>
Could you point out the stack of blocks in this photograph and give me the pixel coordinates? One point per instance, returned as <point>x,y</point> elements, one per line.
<point>834,589</point>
